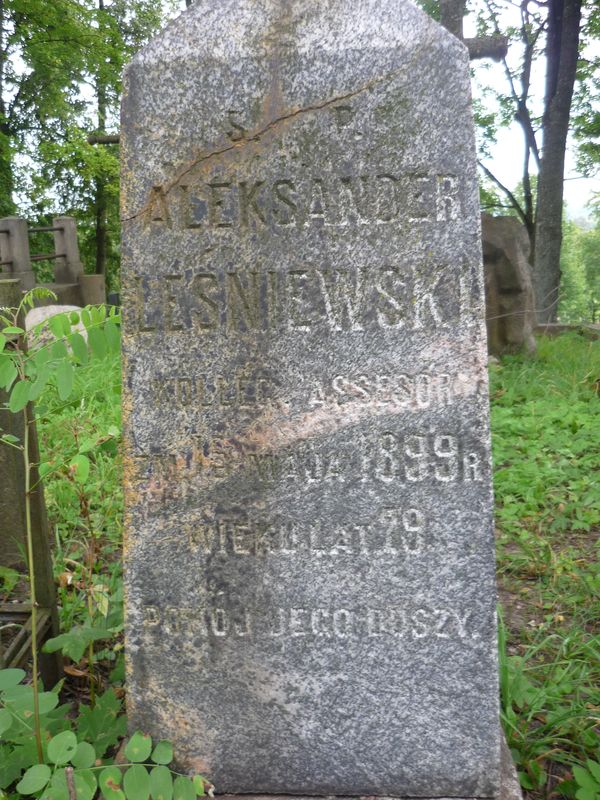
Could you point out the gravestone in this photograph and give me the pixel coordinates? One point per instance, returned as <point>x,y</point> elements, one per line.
<point>509,298</point>
<point>310,569</point>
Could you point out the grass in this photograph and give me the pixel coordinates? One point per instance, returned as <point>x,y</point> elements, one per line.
<point>546,426</point>
<point>546,432</point>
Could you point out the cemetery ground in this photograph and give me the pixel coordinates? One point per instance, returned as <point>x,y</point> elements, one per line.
<point>545,424</point>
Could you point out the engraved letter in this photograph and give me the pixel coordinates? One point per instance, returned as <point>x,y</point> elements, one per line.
<point>215,206</point>
<point>206,317</point>
<point>248,203</point>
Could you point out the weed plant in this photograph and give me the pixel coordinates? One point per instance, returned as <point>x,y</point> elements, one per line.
<point>86,512</point>
<point>90,422</point>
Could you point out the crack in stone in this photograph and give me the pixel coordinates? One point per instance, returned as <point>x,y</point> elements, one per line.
<point>255,137</point>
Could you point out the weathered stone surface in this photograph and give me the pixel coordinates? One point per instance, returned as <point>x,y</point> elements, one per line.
<point>510,303</point>
<point>510,788</point>
<point>42,314</point>
<point>310,578</point>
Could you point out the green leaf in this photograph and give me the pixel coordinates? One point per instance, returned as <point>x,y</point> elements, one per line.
<point>198,781</point>
<point>183,789</point>
<point>74,642</point>
<point>64,379</point>
<point>102,724</point>
<point>20,699</point>
<point>19,396</point>
<point>15,695</point>
<point>56,324</point>
<point>87,444</point>
<point>12,329</point>
<point>85,784</point>
<point>8,372</point>
<point>10,678</point>
<point>58,786</point>
<point>594,768</point>
<point>136,783</point>
<point>59,351</point>
<point>45,468</point>
<point>138,747</point>
<point>97,342</point>
<point>39,384</point>
<point>8,437</point>
<point>41,357</point>
<point>113,336</point>
<point>34,779</point>
<point>3,341</point>
<point>8,579</point>
<point>81,465</point>
<point>584,779</point>
<point>79,347</point>
<point>162,753</point>
<point>62,747</point>
<point>110,777</point>
<point>47,701</point>
<point>6,720</point>
<point>586,794</point>
<point>525,780</point>
<point>98,314</point>
<point>161,783</point>
<point>84,756</point>
<point>110,782</point>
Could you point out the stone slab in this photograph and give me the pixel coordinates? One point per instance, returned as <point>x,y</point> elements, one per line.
<point>510,788</point>
<point>309,545</point>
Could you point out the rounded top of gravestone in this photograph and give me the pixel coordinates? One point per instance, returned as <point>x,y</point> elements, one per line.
<point>223,74</point>
<point>244,28</point>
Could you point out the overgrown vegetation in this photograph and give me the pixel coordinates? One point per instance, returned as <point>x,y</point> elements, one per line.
<point>545,421</point>
<point>68,750</point>
<point>580,268</point>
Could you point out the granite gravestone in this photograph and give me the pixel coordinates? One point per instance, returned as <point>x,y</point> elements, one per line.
<point>310,574</point>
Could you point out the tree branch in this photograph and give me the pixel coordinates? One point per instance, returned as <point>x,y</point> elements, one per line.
<point>513,200</point>
<point>103,138</point>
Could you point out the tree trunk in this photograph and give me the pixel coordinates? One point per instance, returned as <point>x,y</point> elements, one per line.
<point>101,199</point>
<point>451,16</point>
<point>7,205</point>
<point>564,17</point>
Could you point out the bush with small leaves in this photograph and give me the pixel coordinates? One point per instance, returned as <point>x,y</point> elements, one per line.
<point>24,375</point>
<point>81,742</point>
<point>76,760</point>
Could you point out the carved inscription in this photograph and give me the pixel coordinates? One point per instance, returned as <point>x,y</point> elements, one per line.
<point>229,204</point>
<point>393,532</point>
<point>423,390</point>
<point>220,620</point>
<point>250,389</point>
<point>391,458</point>
<point>243,389</point>
<point>298,300</point>
<point>414,458</point>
